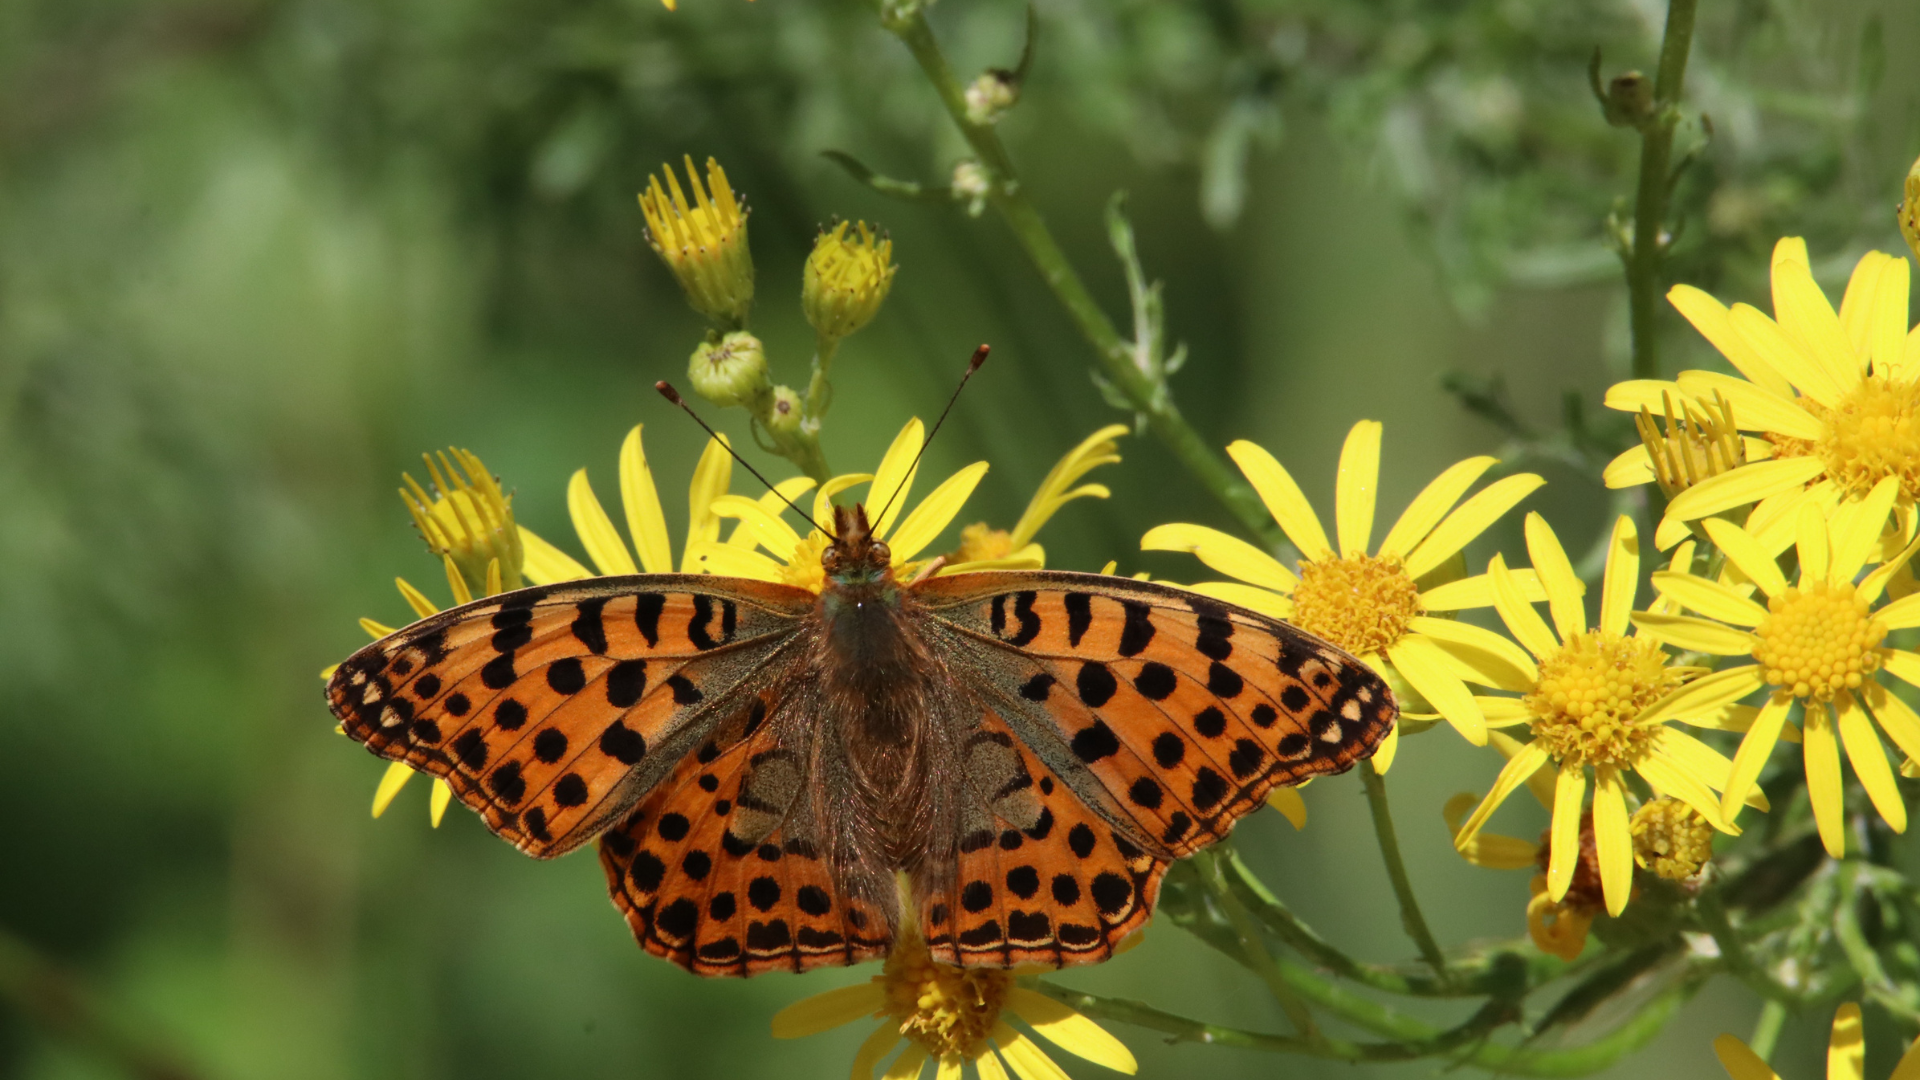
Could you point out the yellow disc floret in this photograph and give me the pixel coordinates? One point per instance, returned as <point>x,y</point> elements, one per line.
<point>1671,839</point>
<point>947,1010</point>
<point>1873,433</point>
<point>803,569</point>
<point>980,541</point>
<point>1362,603</point>
<point>1589,691</point>
<point>1818,641</point>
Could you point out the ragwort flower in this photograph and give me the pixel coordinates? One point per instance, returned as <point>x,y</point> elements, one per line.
<point>1846,1053</point>
<point>1817,643</point>
<point>1835,397</point>
<point>988,548</point>
<point>1594,697</point>
<point>1374,605</point>
<point>952,1016</point>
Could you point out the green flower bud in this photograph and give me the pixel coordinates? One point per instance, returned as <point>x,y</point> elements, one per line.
<point>1629,100</point>
<point>846,280</point>
<point>782,420</point>
<point>703,242</point>
<point>730,371</point>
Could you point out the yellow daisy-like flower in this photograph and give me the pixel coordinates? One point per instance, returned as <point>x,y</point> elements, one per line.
<point>952,1016</point>
<point>1558,927</point>
<point>1846,1053</point>
<point>1594,697</point>
<point>1817,642</point>
<point>986,547</point>
<point>1834,395</point>
<point>1374,602</point>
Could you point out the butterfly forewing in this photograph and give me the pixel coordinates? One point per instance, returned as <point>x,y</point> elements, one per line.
<point>551,710</point>
<point>1169,712</point>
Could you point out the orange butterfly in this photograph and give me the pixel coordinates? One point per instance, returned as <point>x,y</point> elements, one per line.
<point>1031,749</point>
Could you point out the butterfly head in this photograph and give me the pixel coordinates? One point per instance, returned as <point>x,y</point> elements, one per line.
<point>856,556</point>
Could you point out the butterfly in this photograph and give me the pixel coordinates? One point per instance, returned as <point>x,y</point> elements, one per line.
<point>776,779</point>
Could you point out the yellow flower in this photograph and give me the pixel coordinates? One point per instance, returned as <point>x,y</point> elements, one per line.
<point>1818,642</point>
<point>952,1016</point>
<point>1846,1053</point>
<point>1376,606</point>
<point>1834,395</point>
<point>1557,926</point>
<point>1594,697</point>
<point>1671,839</point>
<point>703,242</point>
<point>987,547</point>
<point>846,281</point>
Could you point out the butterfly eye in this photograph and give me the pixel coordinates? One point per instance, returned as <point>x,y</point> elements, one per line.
<point>882,553</point>
<point>830,560</point>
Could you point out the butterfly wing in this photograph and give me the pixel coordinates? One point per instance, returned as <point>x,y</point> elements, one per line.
<point>1170,714</point>
<point>705,886</point>
<point>552,710</point>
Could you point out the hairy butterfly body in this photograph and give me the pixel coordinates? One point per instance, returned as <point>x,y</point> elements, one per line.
<point>759,763</point>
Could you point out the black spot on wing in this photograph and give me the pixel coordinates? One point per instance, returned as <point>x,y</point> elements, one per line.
<point>1138,628</point>
<point>1079,616</point>
<point>587,627</point>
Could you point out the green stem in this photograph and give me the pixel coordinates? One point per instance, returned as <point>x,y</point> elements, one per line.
<point>1252,946</point>
<point>1766,1030</point>
<point>1733,951</point>
<point>1030,230</point>
<point>819,391</point>
<point>1648,257</point>
<point>1410,916</point>
<point>1880,988</point>
<point>1468,1043</point>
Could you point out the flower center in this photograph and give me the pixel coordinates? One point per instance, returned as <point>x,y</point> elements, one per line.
<point>1874,433</point>
<point>1818,641</point>
<point>1362,604</point>
<point>980,541</point>
<point>1671,839</point>
<point>1589,691</point>
<point>803,568</point>
<point>948,1010</point>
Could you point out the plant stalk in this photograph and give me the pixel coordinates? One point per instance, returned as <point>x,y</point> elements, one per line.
<point>1647,261</point>
<point>1410,916</point>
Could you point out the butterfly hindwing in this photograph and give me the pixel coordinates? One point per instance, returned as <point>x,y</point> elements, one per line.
<point>703,882</point>
<point>551,710</point>
<point>1041,879</point>
<point>1170,711</point>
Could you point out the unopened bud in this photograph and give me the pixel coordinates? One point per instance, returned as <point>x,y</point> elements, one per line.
<point>466,518</point>
<point>783,416</point>
<point>730,371</point>
<point>1629,100</point>
<point>846,280</point>
<point>972,185</point>
<point>991,95</point>
<point>1910,210</point>
<point>703,242</point>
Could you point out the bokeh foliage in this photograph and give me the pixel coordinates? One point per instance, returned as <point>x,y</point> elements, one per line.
<point>255,256</point>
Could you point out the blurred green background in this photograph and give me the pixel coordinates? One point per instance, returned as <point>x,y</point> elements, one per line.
<point>257,255</point>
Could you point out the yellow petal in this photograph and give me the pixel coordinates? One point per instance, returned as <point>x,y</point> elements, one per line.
<point>391,781</point>
<point>1631,468</point>
<point>1752,756</point>
<point>1902,614</point>
<point>1869,760</point>
<point>1710,317</point>
<point>1522,621</point>
<point>1670,531</point>
<point>823,1012</point>
<point>1383,756</point>
<point>1489,850</point>
<point>1709,598</point>
<point>1503,711</point>
<point>727,560</point>
<point>1636,394</point>
<point>989,1065</point>
<point>596,530</point>
<point>1622,576</point>
<point>1556,573</point>
<point>1092,452</point>
<point>1856,527</point>
<point>712,475</point>
<point>1669,778</point>
<point>1291,806</point>
<point>1887,337</point>
<point>1024,1057</point>
<point>1810,541</point>
<point>1744,552</point>
<point>1420,661</point>
<point>546,564</point>
<point>1431,505</point>
<point>1354,491</point>
<point>876,1046</point>
<point>1477,591</point>
<point>1856,306</point>
<point>646,522</point>
<point>1908,1067</point>
<point>437,804</point>
<point>1494,660</point>
<point>1876,582</point>
<point>1821,752</point>
<point>1563,854</point>
<point>1902,664</point>
<point>1702,635</point>
<point>908,1066</point>
<point>892,481</point>
<point>1517,770</point>
<point>1470,520</point>
<point>1283,499</point>
<point>457,582</point>
<point>1612,839</point>
<point>1805,314</point>
<point>1746,484</point>
<point>774,502</point>
<point>935,512</point>
<point>375,630</point>
<point>1705,764</point>
<point>1896,718</point>
<point>1765,337</point>
<point>1230,555</point>
<point>823,498</point>
<point>1266,603</point>
<point>951,1068</point>
<point>418,601</point>
<point>1740,1062</point>
<point>1071,1031</point>
<point>1542,781</point>
<point>1846,1050</point>
<point>1754,409</point>
<point>765,528</point>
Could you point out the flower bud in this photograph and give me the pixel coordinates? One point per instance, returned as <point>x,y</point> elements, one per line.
<point>972,185</point>
<point>704,242</point>
<point>846,280</point>
<point>1910,210</point>
<point>1671,839</point>
<point>783,416</point>
<point>468,520</point>
<point>1701,442</point>
<point>991,95</point>
<point>1628,101</point>
<point>731,370</point>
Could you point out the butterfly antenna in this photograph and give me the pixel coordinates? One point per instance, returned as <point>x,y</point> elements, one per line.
<point>667,391</point>
<point>973,365</point>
